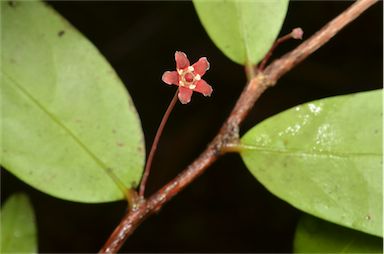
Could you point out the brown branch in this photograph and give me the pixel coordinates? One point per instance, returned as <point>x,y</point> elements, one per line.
<point>287,62</point>
<point>296,33</point>
<point>229,132</point>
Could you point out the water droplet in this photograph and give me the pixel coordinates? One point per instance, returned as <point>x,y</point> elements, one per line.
<point>314,108</point>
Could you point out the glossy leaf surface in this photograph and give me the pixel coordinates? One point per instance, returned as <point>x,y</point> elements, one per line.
<point>69,125</point>
<point>18,226</point>
<point>325,158</point>
<point>244,30</point>
<point>315,235</point>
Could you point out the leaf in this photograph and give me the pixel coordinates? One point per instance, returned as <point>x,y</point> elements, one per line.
<point>18,226</point>
<point>325,158</point>
<point>70,128</point>
<point>315,235</point>
<point>243,30</point>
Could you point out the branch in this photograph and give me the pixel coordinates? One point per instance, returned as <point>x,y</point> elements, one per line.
<point>229,132</point>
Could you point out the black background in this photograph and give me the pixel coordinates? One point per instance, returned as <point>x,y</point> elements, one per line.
<point>226,209</point>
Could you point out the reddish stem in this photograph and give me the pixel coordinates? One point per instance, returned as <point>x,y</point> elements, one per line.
<point>228,134</point>
<point>152,153</point>
<point>295,34</point>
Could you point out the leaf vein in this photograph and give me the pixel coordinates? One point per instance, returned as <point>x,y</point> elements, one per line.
<point>104,166</point>
<point>298,152</point>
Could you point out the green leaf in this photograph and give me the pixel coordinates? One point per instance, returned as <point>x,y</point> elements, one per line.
<point>325,158</point>
<point>70,128</point>
<point>243,30</point>
<point>18,226</point>
<point>315,235</point>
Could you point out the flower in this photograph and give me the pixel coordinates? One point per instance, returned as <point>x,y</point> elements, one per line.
<point>188,77</point>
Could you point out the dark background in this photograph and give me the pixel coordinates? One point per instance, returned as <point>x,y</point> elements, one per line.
<point>226,209</point>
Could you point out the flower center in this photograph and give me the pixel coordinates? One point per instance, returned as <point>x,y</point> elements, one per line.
<point>188,77</point>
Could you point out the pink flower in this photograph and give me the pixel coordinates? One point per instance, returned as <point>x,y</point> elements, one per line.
<point>188,77</point>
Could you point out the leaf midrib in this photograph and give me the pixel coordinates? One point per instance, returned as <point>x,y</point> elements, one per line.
<point>77,140</point>
<point>300,152</point>
<point>242,31</point>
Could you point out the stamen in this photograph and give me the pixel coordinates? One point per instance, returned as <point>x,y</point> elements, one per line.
<point>197,77</point>
<point>192,86</point>
<point>179,71</point>
<point>190,68</point>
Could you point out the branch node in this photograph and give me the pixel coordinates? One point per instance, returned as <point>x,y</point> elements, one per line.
<point>230,135</point>
<point>134,200</point>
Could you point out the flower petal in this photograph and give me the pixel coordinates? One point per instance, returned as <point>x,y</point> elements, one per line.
<point>201,66</point>
<point>203,87</point>
<point>185,94</point>
<point>182,61</point>
<point>171,77</point>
